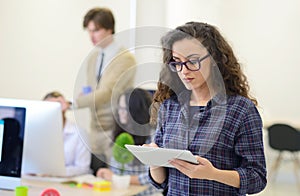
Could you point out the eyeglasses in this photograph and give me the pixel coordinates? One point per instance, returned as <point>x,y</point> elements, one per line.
<point>192,65</point>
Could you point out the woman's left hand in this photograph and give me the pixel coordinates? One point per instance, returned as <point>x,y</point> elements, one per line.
<point>105,173</point>
<point>204,170</point>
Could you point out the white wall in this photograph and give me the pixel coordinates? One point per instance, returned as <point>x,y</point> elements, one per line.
<point>43,44</point>
<point>150,23</point>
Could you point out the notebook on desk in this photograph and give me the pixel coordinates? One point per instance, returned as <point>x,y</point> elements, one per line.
<point>12,126</point>
<point>86,178</point>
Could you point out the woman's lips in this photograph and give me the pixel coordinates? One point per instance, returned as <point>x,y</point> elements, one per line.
<point>188,80</point>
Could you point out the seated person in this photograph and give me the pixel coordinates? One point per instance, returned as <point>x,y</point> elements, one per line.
<point>133,117</point>
<point>77,155</point>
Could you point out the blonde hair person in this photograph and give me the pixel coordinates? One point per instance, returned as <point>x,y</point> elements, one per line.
<point>77,155</point>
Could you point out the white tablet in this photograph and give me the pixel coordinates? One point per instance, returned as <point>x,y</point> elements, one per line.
<point>160,156</point>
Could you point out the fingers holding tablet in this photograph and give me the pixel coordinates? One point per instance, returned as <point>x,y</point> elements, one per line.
<point>155,156</point>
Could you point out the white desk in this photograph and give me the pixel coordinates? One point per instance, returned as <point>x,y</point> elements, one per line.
<point>35,187</point>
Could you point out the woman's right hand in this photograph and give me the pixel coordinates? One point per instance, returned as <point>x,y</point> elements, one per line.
<point>151,145</point>
<point>155,146</point>
<point>158,173</point>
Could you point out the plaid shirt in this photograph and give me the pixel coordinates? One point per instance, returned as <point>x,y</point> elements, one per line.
<point>227,132</point>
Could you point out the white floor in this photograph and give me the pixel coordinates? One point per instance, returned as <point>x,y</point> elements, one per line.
<point>285,182</point>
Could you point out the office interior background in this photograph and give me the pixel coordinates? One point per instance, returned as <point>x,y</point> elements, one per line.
<point>43,44</point>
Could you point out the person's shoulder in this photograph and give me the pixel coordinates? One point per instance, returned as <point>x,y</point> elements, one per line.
<point>125,52</point>
<point>125,56</point>
<point>170,102</point>
<point>239,100</point>
<point>240,104</point>
<point>241,107</point>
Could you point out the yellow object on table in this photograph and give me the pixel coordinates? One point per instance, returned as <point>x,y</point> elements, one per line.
<point>102,186</point>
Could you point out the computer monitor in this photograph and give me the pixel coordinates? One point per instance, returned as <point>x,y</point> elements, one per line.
<point>12,122</point>
<point>43,151</point>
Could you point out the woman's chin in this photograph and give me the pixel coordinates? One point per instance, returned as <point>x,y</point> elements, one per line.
<point>188,86</point>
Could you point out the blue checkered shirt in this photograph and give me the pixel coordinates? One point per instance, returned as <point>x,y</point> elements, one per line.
<point>227,132</point>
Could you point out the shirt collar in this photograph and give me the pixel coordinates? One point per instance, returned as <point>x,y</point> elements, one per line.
<point>218,99</point>
<point>111,48</point>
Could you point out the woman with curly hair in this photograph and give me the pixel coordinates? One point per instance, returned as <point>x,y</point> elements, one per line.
<point>203,105</point>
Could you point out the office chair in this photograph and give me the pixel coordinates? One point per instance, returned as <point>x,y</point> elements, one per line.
<point>283,137</point>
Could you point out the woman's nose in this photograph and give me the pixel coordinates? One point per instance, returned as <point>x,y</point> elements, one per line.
<point>184,69</point>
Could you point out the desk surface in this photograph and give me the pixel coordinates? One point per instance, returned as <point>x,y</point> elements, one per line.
<point>35,187</point>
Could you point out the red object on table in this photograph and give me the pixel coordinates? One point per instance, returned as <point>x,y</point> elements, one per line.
<point>50,192</point>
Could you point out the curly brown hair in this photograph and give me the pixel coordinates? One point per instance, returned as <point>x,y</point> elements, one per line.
<point>234,79</point>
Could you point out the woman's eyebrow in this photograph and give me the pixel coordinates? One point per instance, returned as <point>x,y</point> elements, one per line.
<point>189,56</point>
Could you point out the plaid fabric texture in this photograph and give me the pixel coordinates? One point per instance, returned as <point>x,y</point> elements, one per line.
<point>227,132</point>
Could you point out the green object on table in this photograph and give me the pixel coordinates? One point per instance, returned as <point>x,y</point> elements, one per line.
<point>120,153</point>
<point>21,191</point>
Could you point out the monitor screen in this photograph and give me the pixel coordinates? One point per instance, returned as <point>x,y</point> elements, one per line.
<point>11,140</point>
<point>43,151</point>
<point>12,126</point>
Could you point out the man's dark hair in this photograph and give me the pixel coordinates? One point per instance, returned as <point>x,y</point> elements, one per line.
<point>102,17</point>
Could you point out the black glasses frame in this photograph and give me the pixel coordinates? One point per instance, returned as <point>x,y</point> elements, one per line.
<point>174,64</point>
